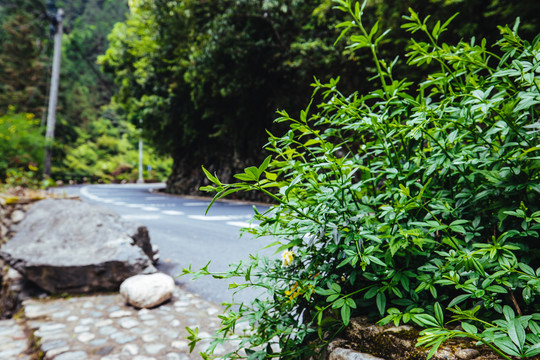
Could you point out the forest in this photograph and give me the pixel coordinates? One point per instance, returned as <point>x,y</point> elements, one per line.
<point>93,139</point>
<point>203,79</point>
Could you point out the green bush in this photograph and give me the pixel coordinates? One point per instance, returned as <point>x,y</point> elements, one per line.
<point>109,152</point>
<point>21,148</point>
<point>411,203</point>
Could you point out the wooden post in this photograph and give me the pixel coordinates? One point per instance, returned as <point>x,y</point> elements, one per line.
<point>53,95</point>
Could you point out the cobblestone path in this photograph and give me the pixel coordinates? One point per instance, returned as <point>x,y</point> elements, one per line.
<point>103,327</point>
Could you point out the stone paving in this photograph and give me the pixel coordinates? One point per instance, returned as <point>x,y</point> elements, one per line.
<point>103,327</point>
<point>13,341</point>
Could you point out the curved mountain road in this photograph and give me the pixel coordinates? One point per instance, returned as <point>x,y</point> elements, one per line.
<point>183,233</point>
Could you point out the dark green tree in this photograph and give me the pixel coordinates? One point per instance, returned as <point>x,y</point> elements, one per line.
<point>206,78</point>
<point>23,69</point>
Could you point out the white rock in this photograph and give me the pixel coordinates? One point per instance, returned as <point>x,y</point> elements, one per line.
<point>150,337</point>
<point>130,349</point>
<point>120,313</point>
<point>17,216</point>
<point>146,291</point>
<point>86,337</point>
<point>3,231</point>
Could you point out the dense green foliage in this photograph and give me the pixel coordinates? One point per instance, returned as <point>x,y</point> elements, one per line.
<point>90,140</point>
<point>21,146</point>
<point>22,60</point>
<point>108,151</point>
<point>84,90</point>
<point>418,199</point>
<point>206,76</point>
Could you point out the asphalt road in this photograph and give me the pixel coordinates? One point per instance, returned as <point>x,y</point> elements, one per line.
<point>184,234</point>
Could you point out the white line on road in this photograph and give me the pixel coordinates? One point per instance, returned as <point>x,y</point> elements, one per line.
<point>196,203</point>
<point>219,218</point>
<point>150,208</point>
<point>84,192</point>
<point>172,212</point>
<point>241,224</point>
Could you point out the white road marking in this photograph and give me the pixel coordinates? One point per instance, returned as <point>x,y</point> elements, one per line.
<point>84,192</point>
<point>232,220</point>
<point>241,224</point>
<point>219,218</point>
<point>172,212</point>
<point>140,217</point>
<point>200,203</point>
<point>150,208</point>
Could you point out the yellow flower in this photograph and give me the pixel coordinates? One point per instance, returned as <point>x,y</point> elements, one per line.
<point>287,257</point>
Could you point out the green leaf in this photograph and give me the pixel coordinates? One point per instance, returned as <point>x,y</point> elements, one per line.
<point>497,289</point>
<point>324,292</point>
<point>381,302</point>
<point>253,172</point>
<point>359,41</point>
<point>506,345</point>
<point>435,31</point>
<point>264,165</point>
<point>211,177</point>
<point>376,260</point>
<point>350,302</point>
<point>332,298</point>
<point>425,320</point>
<point>508,313</point>
<point>345,314</point>
<point>245,177</point>
<point>533,350</point>
<point>516,333</point>
<point>459,299</point>
<point>434,348</point>
<point>526,269</point>
<point>374,30</point>
<point>439,314</point>
<point>270,176</point>
<point>312,142</point>
<point>469,328</point>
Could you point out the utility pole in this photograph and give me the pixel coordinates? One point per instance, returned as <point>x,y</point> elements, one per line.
<point>56,22</point>
<point>140,180</point>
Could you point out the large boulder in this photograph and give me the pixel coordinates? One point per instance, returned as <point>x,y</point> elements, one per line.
<point>69,246</point>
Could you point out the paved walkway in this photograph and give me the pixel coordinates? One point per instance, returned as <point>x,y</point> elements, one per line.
<point>103,327</point>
